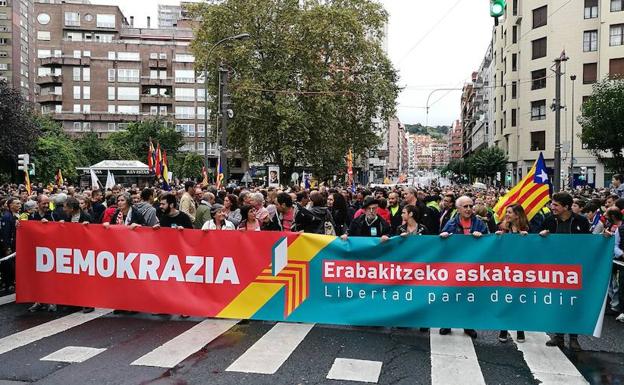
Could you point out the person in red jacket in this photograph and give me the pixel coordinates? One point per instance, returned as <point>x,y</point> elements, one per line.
<point>383,211</point>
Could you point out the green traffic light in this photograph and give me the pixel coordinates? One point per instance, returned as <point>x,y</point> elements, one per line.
<point>497,8</point>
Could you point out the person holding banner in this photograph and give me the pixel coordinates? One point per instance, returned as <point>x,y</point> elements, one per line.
<point>125,214</point>
<point>410,226</point>
<point>370,224</point>
<point>218,221</point>
<point>465,223</point>
<point>564,221</point>
<point>8,232</point>
<point>516,222</point>
<point>248,219</point>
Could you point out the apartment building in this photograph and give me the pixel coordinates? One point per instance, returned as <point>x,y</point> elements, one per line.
<point>533,34</point>
<point>454,141</point>
<point>16,41</point>
<point>397,149</point>
<point>428,153</point>
<point>482,135</point>
<point>96,72</point>
<point>468,114</point>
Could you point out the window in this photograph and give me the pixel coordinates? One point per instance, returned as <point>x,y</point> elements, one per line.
<point>504,119</point>
<point>44,71</point>
<point>187,130</point>
<point>77,54</point>
<point>201,146</point>
<point>616,5</point>
<point>185,76</point>
<point>86,108</point>
<point>86,74</point>
<point>538,79</point>
<point>128,75</point>
<point>128,93</point>
<point>43,35</point>
<point>184,112</point>
<point>201,94</point>
<point>153,110</point>
<point>105,21</point>
<point>104,37</point>
<point>153,55</point>
<point>88,17</point>
<point>538,110</point>
<point>514,117</point>
<point>184,58</point>
<point>514,62</point>
<point>514,34</point>
<point>4,40</point>
<point>162,110</point>
<point>514,8</point>
<point>590,41</point>
<point>86,92</point>
<point>76,92</point>
<point>201,131</point>
<point>184,94</point>
<point>77,126</point>
<point>128,109</point>
<point>539,48</point>
<point>111,74</point>
<point>616,67</point>
<point>4,66</point>
<point>111,109</point>
<point>538,141</point>
<point>590,73</point>
<point>540,15</point>
<point>111,93</point>
<point>616,35</point>
<point>76,71</point>
<point>43,53</point>
<point>86,53</point>
<point>111,55</point>
<point>128,56</point>
<point>72,19</point>
<point>514,90</point>
<point>111,126</point>
<point>43,18</point>
<point>591,9</point>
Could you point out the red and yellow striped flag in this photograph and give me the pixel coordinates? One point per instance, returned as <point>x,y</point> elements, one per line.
<point>532,193</point>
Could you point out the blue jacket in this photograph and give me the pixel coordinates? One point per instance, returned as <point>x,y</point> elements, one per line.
<point>7,232</point>
<point>453,226</point>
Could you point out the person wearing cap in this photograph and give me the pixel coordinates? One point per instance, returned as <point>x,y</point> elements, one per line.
<point>370,224</point>
<point>219,222</point>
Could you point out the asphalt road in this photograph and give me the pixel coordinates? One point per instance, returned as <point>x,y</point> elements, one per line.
<point>54,348</point>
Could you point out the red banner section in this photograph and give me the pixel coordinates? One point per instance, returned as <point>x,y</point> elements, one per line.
<point>164,271</point>
<point>546,276</point>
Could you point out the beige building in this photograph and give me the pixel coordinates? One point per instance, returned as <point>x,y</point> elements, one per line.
<point>525,44</point>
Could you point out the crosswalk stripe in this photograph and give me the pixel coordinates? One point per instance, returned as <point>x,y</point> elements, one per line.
<point>268,354</point>
<point>454,360</point>
<point>178,349</point>
<point>355,370</point>
<point>72,354</point>
<point>7,299</point>
<point>548,364</point>
<point>48,329</point>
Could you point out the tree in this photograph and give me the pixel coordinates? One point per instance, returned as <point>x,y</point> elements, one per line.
<point>308,83</point>
<point>133,143</point>
<point>95,149</point>
<point>55,150</point>
<point>190,166</point>
<point>488,162</point>
<point>602,119</point>
<point>18,127</point>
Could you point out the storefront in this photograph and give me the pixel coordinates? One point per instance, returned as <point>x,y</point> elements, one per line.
<point>126,173</point>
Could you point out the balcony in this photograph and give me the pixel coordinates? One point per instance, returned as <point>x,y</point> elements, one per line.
<point>98,117</point>
<point>50,98</point>
<point>157,63</point>
<point>49,79</point>
<point>156,99</point>
<point>168,82</point>
<point>64,61</point>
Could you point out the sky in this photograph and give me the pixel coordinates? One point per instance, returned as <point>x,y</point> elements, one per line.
<point>433,44</point>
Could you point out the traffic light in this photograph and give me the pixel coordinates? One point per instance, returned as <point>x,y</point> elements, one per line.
<point>22,162</point>
<point>31,169</point>
<point>497,9</point>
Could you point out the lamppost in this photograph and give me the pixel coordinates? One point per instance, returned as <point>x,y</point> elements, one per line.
<point>573,78</point>
<point>241,36</point>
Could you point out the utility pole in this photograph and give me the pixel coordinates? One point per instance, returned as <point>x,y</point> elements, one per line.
<point>223,114</point>
<point>557,107</point>
<point>573,78</point>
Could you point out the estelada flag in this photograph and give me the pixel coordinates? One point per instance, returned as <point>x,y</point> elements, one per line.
<point>219,174</point>
<point>532,193</point>
<point>158,165</point>
<point>58,178</point>
<point>150,156</point>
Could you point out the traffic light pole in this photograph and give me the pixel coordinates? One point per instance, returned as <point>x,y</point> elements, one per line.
<point>557,107</point>
<point>222,114</point>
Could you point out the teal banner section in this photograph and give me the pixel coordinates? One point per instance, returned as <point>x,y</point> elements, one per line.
<point>556,283</point>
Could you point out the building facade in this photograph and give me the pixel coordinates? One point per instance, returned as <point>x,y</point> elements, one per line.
<point>482,136</point>
<point>17,37</point>
<point>96,72</point>
<point>468,115</point>
<point>428,153</point>
<point>532,35</point>
<point>454,140</point>
<point>397,149</point>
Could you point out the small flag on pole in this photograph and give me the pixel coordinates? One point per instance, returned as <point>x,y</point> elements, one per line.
<point>27,180</point>
<point>219,174</point>
<point>95,183</point>
<point>110,181</point>
<point>59,178</point>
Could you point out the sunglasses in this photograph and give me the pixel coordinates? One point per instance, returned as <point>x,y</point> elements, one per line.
<point>468,206</point>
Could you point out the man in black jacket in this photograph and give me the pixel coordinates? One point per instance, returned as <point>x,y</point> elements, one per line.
<point>395,208</point>
<point>370,224</point>
<point>564,221</point>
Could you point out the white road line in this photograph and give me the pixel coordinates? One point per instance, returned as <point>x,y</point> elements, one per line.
<point>178,349</point>
<point>454,360</point>
<point>268,354</point>
<point>72,354</point>
<point>7,299</point>
<point>355,370</point>
<point>47,329</point>
<point>548,364</point>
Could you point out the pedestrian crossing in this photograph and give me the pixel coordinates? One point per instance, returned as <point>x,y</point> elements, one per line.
<point>145,347</point>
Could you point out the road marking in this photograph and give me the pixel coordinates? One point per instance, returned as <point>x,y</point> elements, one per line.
<point>191,341</point>
<point>355,370</point>
<point>268,354</point>
<point>548,364</point>
<point>454,360</point>
<point>72,354</point>
<point>7,299</point>
<point>48,329</point>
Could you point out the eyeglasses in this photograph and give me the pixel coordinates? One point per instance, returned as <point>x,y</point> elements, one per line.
<point>467,206</point>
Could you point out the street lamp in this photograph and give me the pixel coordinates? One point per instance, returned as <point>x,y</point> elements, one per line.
<point>241,36</point>
<point>573,78</point>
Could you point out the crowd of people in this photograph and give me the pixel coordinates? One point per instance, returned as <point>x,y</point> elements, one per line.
<point>379,212</point>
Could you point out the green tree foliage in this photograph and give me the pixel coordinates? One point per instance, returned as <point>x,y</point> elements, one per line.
<point>95,149</point>
<point>133,143</point>
<point>308,83</point>
<point>55,150</point>
<point>602,120</point>
<point>485,163</point>
<point>190,166</point>
<point>438,132</point>
<point>18,127</point>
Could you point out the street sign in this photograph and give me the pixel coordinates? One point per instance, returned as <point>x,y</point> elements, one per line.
<point>246,178</point>
<point>294,177</point>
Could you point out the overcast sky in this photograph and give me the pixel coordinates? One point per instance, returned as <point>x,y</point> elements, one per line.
<point>433,44</point>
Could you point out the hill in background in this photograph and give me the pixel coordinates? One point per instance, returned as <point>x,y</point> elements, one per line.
<point>438,132</point>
